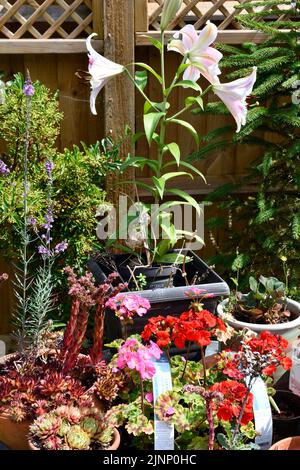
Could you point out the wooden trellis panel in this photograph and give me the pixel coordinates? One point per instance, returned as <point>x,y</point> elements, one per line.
<point>222,12</point>
<point>46,19</point>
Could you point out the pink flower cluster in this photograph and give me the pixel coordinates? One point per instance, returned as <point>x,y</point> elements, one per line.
<point>135,355</point>
<point>127,306</point>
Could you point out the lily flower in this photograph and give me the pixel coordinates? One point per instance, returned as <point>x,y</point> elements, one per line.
<point>101,70</point>
<point>196,48</point>
<point>234,94</point>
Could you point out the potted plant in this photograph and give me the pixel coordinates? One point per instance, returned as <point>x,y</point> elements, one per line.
<point>72,428</point>
<point>286,417</point>
<point>37,380</point>
<point>210,403</point>
<point>264,308</point>
<point>290,443</point>
<point>151,232</point>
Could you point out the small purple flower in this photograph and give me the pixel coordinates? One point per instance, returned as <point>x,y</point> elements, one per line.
<point>48,219</point>
<point>61,247</point>
<point>4,170</point>
<point>49,165</point>
<point>32,221</point>
<point>44,251</point>
<point>28,89</point>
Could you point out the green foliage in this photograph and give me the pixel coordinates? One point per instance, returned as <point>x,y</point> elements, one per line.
<point>269,218</point>
<point>44,124</point>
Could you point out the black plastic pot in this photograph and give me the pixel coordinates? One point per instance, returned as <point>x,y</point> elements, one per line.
<point>156,276</point>
<point>286,426</point>
<point>164,301</point>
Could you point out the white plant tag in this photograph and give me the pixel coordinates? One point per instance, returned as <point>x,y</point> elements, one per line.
<point>162,382</point>
<point>262,414</point>
<point>2,348</point>
<point>294,384</point>
<point>212,348</point>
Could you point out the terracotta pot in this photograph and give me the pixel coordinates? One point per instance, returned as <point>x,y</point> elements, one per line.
<point>13,435</point>
<point>114,446</point>
<point>290,443</point>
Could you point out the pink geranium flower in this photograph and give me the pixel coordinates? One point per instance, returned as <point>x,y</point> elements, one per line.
<point>129,305</point>
<point>136,356</point>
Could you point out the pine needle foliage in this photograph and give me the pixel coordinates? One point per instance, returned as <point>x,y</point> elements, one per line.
<point>270,218</point>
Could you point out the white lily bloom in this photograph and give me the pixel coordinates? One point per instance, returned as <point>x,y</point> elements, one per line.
<point>195,46</point>
<point>101,71</point>
<point>234,94</point>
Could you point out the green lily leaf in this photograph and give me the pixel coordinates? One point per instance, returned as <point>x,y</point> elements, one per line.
<point>187,165</point>
<point>190,100</point>
<point>151,121</point>
<point>187,197</point>
<point>189,127</point>
<point>150,69</point>
<point>174,150</point>
<point>190,235</point>
<point>155,42</point>
<point>189,84</point>
<point>141,79</point>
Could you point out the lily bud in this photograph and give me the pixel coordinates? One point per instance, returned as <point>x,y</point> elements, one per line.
<point>169,11</point>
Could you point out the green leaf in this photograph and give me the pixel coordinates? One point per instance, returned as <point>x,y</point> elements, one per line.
<point>151,121</point>
<point>141,79</point>
<point>150,69</point>
<point>190,100</point>
<point>253,284</point>
<point>187,165</point>
<point>187,197</point>
<point>155,42</point>
<point>159,184</point>
<point>175,151</point>
<point>154,106</point>
<point>163,247</point>
<point>189,127</point>
<point>192,235</point>
<point>189,84</point>
<point>173,258</point>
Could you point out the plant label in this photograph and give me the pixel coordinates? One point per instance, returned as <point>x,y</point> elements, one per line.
<point>162,382</point>
<point>212,348</point>
<point>2,348</point>
<point>294,384</point>
<point>262,414</point>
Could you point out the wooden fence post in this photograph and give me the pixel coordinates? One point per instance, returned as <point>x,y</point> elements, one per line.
<point>119,97</point>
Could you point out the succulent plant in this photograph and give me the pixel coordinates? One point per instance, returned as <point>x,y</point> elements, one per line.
<point>71,428</point>
<point>77,438</point>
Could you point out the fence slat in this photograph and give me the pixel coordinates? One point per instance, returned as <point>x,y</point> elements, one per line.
<point>141,15</point>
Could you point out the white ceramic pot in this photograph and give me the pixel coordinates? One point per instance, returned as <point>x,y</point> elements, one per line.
<point>289,330</point>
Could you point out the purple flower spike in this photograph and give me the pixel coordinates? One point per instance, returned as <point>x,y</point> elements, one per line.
<point>4,170</point>
<point>61,247</point>
<point>43,251</point>
<point>49,165</point>
<point>32,221</point>
<point>28,88</point>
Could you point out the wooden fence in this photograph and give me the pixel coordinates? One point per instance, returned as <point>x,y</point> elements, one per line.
<point>48,37</point>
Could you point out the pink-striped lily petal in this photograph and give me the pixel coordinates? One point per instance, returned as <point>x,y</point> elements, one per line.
<point>101,70</point>
<point>196,48</point>
<point>234,94</point>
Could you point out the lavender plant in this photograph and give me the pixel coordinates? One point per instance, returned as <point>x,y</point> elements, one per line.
<point>34,292</point>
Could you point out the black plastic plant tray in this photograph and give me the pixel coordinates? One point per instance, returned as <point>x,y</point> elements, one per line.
<point>166,301</point>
